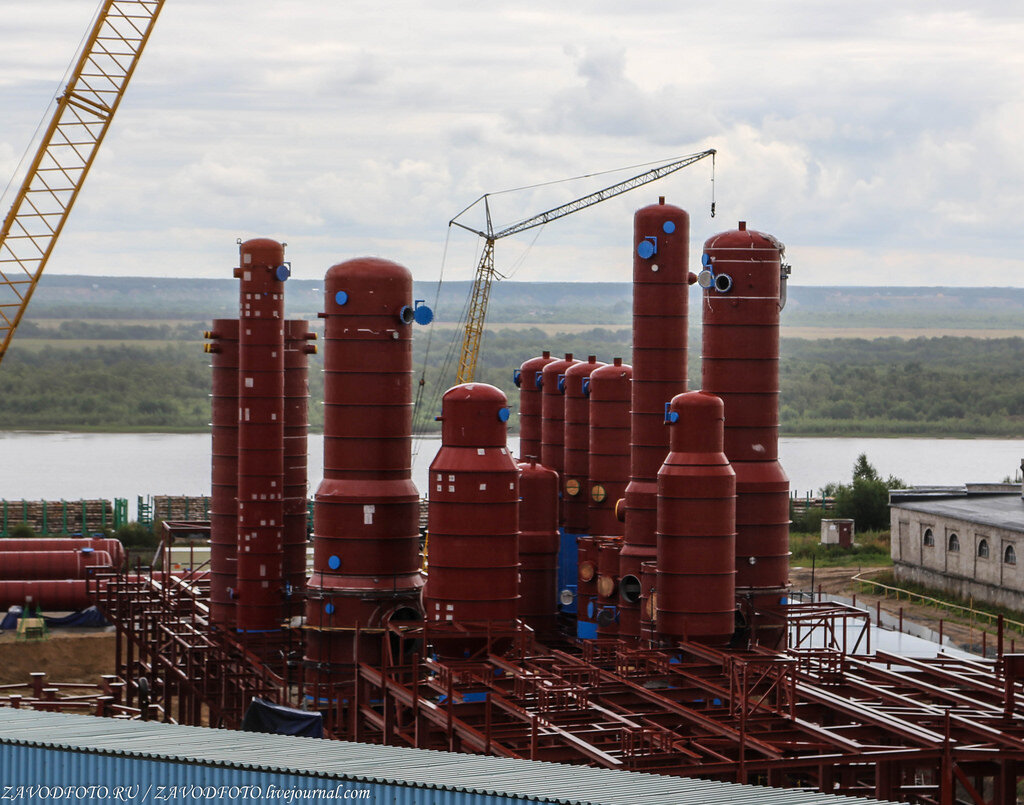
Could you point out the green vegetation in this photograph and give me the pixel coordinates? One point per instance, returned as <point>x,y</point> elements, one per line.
<point>22,531</point>
<point>78,375</point>
<point>137,537</point>
<point>871,548</point>
<point>865,500</point>
<point>954,602</point>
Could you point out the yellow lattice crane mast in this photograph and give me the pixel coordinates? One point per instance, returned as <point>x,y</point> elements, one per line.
<point>67,150</point>
<point>476,311</point>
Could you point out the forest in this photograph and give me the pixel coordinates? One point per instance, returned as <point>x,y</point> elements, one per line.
<point>111,377</point>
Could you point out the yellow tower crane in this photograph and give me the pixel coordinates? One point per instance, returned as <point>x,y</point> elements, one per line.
<point>485,273</point>
<point>67,150</point>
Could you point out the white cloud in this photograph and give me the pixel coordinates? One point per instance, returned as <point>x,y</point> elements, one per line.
<point>882,135</point>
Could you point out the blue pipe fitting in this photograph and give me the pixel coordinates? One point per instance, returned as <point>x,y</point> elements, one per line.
<point>517,377</point>
<point>648,247</point>
<point>422,314</point>
<point>671,417</point>
<point>283,272</point>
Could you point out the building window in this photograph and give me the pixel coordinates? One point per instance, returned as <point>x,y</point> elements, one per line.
<point>929,538</point>
<point>1009,556</point>
<point>954,543</point>
<point>983,549</point>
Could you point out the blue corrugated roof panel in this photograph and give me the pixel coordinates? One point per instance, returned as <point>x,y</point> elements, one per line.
<point>506,779</point>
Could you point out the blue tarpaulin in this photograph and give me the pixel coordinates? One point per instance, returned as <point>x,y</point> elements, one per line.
<point>86,617</point>
<point>262,716</point>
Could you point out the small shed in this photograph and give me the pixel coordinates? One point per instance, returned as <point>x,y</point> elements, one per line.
<point>837,532</point>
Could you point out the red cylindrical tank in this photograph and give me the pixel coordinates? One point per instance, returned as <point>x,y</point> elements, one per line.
<point>32,565</point>
<point>49,595</point>
<point>610,390</point>
<point>112,546</point>
<point>576,461</point>
<point>586,586</point>
<point>538,548</point>
<point>526,378</point>
<point>223,349</point>
<point>740,364</point>
<point>648,602</point>
<point>259,591</point>
<point>366,547</point>
<point>661,235</point>
<point>473,529</point>
<point>606,610</point>
<point>696,574</point>
<point>552,417</point>
<point>298,347</point>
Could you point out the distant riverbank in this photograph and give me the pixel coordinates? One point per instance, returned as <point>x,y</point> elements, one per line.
<point>70,466</point>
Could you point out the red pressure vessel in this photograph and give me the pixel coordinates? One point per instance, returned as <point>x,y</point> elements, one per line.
<point>661,235</point>
<point>576,461</point>
<point>31,565</point>
<point>741,365</point>
<point>298,347</point>
<point>552,418</point>
<point>606,612</point>
<point>473,526</point>
<point>586,586</point>
<point>259,593</point>
<point>35,544</point>
<point>648,602</point>
<point>538,548</point>
<point>366,546</point>
<point>49,595</point>
<point>610,389</point>
<point>526,377</point>
<point>223,349</point>
<point>696,584</point>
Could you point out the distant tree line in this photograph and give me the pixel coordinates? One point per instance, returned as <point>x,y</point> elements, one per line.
<point>924,386</point>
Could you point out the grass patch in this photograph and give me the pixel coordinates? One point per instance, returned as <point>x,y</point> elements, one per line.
<point>870,548</point>
<point>990,612</point>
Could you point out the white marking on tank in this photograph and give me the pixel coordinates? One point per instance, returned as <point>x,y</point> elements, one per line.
<point>368,511</point>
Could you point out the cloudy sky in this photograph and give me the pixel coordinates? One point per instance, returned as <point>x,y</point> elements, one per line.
<point>878,140</point>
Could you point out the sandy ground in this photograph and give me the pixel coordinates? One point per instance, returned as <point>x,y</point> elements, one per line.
<point>71,655</point>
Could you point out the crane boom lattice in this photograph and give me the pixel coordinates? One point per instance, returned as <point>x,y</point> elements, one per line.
<point>485,272</point>
<point>67,150</point>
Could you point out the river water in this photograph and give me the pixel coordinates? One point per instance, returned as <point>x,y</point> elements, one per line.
<point>71,466</point>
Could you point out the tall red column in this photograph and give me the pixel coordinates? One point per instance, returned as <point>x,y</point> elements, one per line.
<point>552,419</point>
<point>259,591</point>
<point>527,378</point>
<point>742,301</point>
<point>366,550</point>
<point>298,348</point>
<point>576,461</point>
<point>661,235</point>
<point>223,349</point>
<point>610,390</point>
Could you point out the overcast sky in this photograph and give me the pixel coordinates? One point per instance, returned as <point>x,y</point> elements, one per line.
<point>880,141</point>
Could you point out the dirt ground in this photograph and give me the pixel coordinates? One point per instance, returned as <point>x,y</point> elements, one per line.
<point>959,629</point>
<point>71,655</point>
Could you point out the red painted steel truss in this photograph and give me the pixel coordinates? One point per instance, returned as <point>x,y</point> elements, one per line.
<point>927,731</point>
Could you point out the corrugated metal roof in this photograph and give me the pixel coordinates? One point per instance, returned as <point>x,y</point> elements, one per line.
<point>421,768</point>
